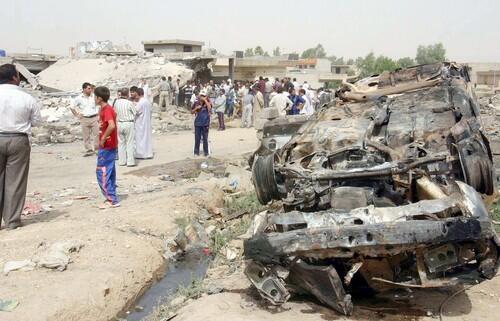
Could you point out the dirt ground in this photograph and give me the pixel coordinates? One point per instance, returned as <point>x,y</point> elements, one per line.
<point>239,302</point>
<point>123,247</point>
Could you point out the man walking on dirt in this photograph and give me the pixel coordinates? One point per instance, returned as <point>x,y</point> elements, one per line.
<point>18,112</point>
<point>85,110</point>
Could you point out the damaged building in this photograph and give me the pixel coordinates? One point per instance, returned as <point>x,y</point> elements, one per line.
<point>318,72</point>
<point>386,188</point>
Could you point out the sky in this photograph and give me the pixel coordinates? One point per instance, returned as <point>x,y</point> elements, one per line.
<point>469,30</point>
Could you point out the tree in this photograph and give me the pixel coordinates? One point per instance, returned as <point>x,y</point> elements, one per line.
<point>383,63</point>
<point>405,62</point>
<point>249,52</point>
<point>366,65</point>
<point>258,51</point>
<point>371,65</point>
<point>277,52</point>
<point>430,54</point>
<point>336,60</point>
<point>316,52</point>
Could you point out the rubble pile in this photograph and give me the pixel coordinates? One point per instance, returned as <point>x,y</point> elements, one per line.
<point>61,83</point>
<point>489,101</point>
<point>59,124</point>
<point>490,117</point>
<point>113,72</point>
<point>174,119</point>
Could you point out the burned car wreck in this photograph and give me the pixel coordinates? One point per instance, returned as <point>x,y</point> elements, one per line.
<point>383,190</point>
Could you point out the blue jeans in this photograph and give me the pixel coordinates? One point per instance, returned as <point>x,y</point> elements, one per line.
<point>229,107</point>
<point>199,133</point>
<point>106,173</point>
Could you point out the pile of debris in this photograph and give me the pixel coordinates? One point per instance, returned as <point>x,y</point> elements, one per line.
<point>489,101</point>
<point>58,85</point>
<point>173,119</point>
<point>490,117</point>
<point>113,72</point>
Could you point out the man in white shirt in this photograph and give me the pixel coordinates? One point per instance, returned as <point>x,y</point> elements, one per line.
<point>307,107</point>
<point>281,101</point>
<point>177,88</point>
<point>19,111</point>
<point>147,92</point>
<point>85,109</point>
<point>268,90</point>
<point>220,108</point>
<point>125,116</point>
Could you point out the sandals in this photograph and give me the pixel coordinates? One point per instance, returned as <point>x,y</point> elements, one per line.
<point>108,204</point>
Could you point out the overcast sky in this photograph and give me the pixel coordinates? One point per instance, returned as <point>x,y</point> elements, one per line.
<point>469,30</point>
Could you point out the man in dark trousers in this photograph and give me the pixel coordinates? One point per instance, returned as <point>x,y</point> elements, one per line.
<point>18,112</point>
<point>202,109</point>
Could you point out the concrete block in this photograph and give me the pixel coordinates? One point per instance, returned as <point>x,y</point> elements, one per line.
<point>269,113</point>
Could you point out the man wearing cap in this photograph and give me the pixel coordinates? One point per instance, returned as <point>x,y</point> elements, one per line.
<point>19,112</point>
<point>202,109</point>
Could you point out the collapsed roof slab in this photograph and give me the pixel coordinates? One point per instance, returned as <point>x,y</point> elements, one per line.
<point>114,72</point>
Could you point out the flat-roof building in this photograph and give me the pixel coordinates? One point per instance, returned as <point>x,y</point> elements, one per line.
<point>316,71</point>
<point>172,45</point>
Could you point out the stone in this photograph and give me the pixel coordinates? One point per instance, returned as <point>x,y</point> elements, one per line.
<point>231,254</point>
<point>66,138</point>
<point>210,229</point>
<point>269,113</point>
<point>259,123</point>
<point>214,289</point>
<point>42,138</point>
<point>177,301</point>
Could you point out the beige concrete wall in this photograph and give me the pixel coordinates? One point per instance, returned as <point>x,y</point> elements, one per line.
<point>170,48</point>
<point>483,67</point>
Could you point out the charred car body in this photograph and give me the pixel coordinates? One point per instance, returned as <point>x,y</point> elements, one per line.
<point>383,190</point>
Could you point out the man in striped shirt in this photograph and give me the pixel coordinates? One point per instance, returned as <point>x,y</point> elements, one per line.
<point>125,116</point>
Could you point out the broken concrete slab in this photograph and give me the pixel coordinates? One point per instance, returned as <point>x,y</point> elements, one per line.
<point>114,72</point>
<point>31,78</point>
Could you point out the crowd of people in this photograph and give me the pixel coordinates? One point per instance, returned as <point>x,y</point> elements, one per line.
<point>133,112</point>
<point>119,131</point>
<point>122,129</point>
<point>247,99</point>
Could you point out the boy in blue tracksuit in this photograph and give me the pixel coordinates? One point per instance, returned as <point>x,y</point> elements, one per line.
<point>108,144</point>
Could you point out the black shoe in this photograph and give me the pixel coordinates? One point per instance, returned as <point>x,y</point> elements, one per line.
<point>14,226</point>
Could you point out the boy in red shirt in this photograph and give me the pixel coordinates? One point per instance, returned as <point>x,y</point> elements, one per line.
<point>108,143</point>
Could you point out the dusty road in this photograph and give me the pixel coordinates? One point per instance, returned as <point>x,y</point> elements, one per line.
<point>122,248</point>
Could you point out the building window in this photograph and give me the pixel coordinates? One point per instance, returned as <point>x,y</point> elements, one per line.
<point>149,50</point>
<point>188,48</point>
